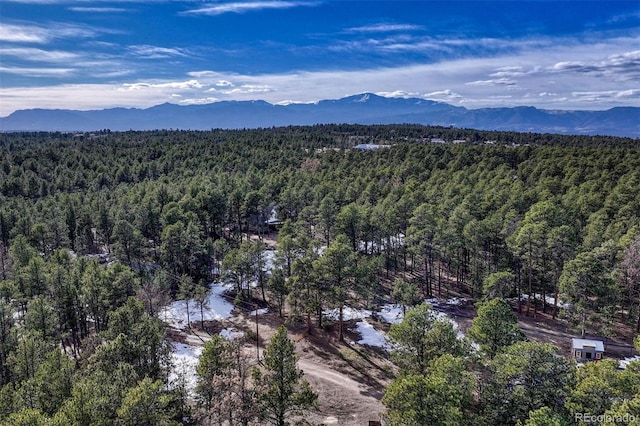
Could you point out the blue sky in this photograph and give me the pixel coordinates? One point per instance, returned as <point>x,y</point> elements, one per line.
<point>100,54</point>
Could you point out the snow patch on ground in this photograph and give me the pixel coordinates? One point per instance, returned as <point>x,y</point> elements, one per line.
<point>268,264</point>
<point>216,308</point>
<point>371,337</point>
<point>375,246</point>
<point>625,362</point>
<point>549,299</point>
<point>441,316</point>
<point>231,333</point>
<point>391,314</point>
<point>348,313</point>
<point>259,312</point>
<point>269,257</point>
<point>184,359</point>
<point>453,301</point>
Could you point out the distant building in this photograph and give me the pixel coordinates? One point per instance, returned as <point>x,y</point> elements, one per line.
<point>584,350</point>
<point>370,146</point>
<point>438,140</point>
<point>273,223</point>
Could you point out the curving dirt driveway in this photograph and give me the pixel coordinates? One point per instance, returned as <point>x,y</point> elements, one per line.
<point>341,400</point>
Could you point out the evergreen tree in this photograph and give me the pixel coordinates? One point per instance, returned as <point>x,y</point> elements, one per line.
<point>404,293</point>
<point>587,281</point>
<point>495,327</point>
<point>421,337</point>
<point>146,405</point>
<point>442,396</point>
<point>525,377</point>
<point>282,393</point>
<point>337,269</point>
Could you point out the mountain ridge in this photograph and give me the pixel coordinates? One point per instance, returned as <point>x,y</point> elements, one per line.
<point>363,108</point>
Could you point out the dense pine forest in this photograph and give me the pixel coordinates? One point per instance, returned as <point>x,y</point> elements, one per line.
<point>99,232</point>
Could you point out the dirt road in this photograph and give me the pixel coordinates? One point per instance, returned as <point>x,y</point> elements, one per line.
<point>342,400</point>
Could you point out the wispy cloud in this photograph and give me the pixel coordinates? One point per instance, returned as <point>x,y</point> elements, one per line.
<point>246,6</point>
<point>399,94</point>
<point>493,82</point>
<point>190,84</point>
<point>384,28</point>
<point>446,95</point>
<point>198,101</point>
<point>437,46</point>
<point>29,33</point>
<point>38,72</point>
<point>23,34</point>
<point>82,9</point>
<point>38,55</point>
<point>606,95</point>
<point>156,52</point>
<point>624,66</point>
<point>509,72</point>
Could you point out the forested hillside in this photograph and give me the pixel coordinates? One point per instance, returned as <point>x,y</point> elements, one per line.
<point>100,231</point>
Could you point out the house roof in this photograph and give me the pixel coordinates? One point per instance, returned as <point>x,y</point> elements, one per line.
<point>581,343</point>
<point>370,146</point>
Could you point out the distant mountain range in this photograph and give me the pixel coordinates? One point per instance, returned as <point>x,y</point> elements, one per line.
<point>365,108</point>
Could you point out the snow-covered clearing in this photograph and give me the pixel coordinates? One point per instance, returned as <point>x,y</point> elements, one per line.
<point>215,308</point>
<point>550,300</point>
<point>371,337</point>
<point>391,314</point>
<point>348,313</point>
<point>231,333</point>
<point>184,359</point>
<point>453,301</point>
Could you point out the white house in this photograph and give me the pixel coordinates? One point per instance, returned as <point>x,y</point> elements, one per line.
<point>587,350</point>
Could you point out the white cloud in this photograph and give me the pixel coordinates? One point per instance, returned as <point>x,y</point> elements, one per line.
<point>631,93</point>
<point>494,82</point>
<point>27,33</point>
<point>23,34</point>
<point>37,72</point>
<point>81,96</point>
<point>199,101</point>
<point>625,66</point>
<point>446,94</point>
<point>246,6</point>
<point>97,9</point>
<point>381,28</point>
<point>191,84</point>
<point>399,94</point>
<point>506,72</point>
<point>602,95</point>
<point>247,88</point>
<point>292,102</point>
<point>38,55</point>
<point>156,52</point>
